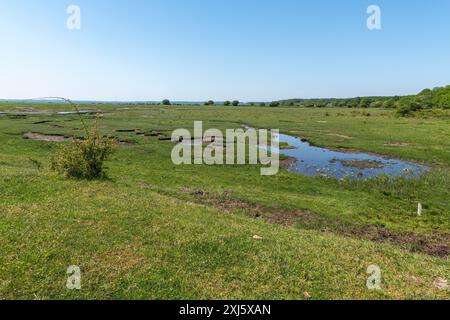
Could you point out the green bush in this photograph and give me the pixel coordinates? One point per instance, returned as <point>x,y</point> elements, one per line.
<point>407,109</point>
<point>274,104</point>
<point>83,159</point>
<point>403,111</point>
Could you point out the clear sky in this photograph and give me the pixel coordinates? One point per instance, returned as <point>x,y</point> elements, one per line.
<point>249,50</point>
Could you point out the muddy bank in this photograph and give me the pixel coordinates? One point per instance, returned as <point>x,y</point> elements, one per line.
<point>45,137</point>
<point>61,138</point>
<point>437,245</point>
<point>362,164</point>
<point>226,203</point>
<point>31,112</point>
<point>433,246</point>
<point>287,163</point>
<point>397,144</point>
<point>203,141</point>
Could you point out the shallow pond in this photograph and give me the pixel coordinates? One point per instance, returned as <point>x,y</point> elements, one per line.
<point>314,161</point>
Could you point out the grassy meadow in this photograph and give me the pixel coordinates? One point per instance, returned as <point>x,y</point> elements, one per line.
<point>154,230</point>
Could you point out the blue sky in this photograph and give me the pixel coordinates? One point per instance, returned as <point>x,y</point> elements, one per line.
<point>249,50</point>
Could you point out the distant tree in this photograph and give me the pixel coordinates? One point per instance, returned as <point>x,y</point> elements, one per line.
<point>389,103</point>
<point>209,103</point>
<point>415,106</point>
<point>235,103</point>
<point>262,104</point>
<point>440,97</point>
<point>320,104</point>
<point>274,104</point>
<point>424,100</point>
<point>365,102</point>
<point>408,107</point>
<point>403,110</point>
<point>227,103</point>
<point>377,104</point>
<point>166,102</point>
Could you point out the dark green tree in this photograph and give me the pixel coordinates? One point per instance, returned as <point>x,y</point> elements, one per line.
<point>274,104</point>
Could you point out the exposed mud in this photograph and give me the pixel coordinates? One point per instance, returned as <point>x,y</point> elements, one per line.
<point>287,163</point>
<point>152,134</point>
<point>397,144</point>
<point>140,132</point>
<point>362,164</point>
<point>201,141</point>
<point>16,116</point>
<point>339,136</point>
<point>438,246</point>
<point>45,137</point>
<point>57,126</point>
<point>42,122</point>
<point>433,246</point>
<point>32,112</point>
<point>123,142</point>
<point>349,150</point>
<point>126,130</point>
<point>61,138</point>
<point>226,203</point>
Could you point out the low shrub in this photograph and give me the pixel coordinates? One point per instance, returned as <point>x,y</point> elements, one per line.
<point>274,104</point>
<point>408,109</point>
<point>83,159</point>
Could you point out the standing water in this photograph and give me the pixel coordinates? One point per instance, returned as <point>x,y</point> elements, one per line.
<point>315,161</point>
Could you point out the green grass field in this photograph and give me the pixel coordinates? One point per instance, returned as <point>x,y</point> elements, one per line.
<point>154,230</point>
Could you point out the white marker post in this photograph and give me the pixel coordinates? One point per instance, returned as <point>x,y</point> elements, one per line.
<point>419,209</point>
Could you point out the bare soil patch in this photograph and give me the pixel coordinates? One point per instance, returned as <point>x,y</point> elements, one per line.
<point>339,136</point>
<point>202,141</point>
<point>288,162</point>
<point>126,130</point>
<point>397,144</point>
<point>226,203</point>
<point>433,246</point>
<point>45,137</point>
<point>438,245</point>
<point>362,164</point>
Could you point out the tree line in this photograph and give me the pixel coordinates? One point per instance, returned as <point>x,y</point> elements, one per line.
<point>438,97</point>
